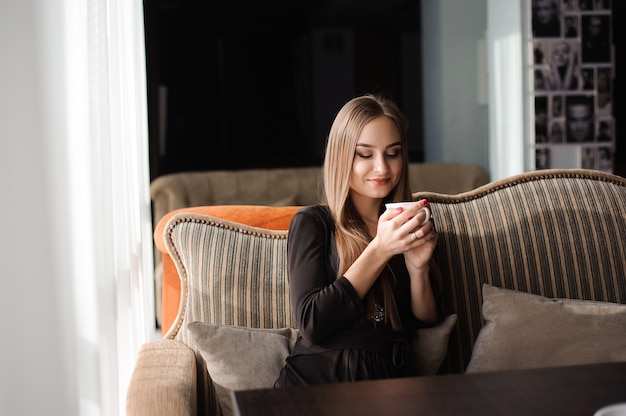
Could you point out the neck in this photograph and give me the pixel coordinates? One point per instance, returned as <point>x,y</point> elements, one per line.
<point>369,211</point>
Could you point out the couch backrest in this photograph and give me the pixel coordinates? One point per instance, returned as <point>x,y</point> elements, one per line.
<point>273,187</point>
<point>230,274</point>
<point>555,233</point>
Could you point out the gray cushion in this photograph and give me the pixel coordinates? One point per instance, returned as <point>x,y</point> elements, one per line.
<point>239,358</point>
<point>524,330</point>
<point>431,346</point>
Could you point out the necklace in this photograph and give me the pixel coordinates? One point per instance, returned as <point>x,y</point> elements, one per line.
<point>378,314</point>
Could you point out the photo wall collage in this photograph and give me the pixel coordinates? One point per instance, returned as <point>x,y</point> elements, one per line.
<point>572,73</point>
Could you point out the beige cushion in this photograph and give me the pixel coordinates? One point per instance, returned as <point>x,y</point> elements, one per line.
<point>524,330</point>
<point>241,358</point>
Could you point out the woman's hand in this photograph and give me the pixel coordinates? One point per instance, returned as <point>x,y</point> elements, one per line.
<point>418,257</point>
<point>418,240</point>
<point>404,231</point>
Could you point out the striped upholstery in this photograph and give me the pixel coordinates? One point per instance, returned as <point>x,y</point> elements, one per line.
<point>231,274</point>
<point>555,233</point>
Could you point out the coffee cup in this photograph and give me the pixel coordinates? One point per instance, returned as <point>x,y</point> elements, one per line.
<point>617,409</point>
<point>404,205</point>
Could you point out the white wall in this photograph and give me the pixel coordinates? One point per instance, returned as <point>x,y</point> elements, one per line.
<point>474,106</point>
<point>38,373</point>
<point>507,108</point>
<point>455,120</point>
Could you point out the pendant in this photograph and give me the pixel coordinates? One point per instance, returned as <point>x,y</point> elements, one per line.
<point>379,313</point>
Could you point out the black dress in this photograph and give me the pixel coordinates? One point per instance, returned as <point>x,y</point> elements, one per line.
<point>338,339</point>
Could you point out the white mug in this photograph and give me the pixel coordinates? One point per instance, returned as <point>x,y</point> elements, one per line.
<point>618,409</point>
<point>392,205</point>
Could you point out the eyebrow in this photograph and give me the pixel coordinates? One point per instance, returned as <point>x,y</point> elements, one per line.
<point>388,146</point>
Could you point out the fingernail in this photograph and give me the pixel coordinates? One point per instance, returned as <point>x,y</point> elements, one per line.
<point>399,209</point>
<point>424,202</point>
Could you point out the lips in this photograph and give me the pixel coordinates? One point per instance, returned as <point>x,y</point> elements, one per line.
<point>380,181</point>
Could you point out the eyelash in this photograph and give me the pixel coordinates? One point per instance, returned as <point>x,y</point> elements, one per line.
<point>392,156</point>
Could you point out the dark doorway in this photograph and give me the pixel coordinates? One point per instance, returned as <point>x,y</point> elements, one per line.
<point>239,85</point>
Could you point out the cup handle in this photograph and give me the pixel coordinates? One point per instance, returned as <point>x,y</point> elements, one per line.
<point>427,215</point>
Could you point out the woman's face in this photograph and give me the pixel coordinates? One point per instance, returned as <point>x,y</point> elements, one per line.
<point>560,54</point>
<point>544,11</point>
<point>377,163</point>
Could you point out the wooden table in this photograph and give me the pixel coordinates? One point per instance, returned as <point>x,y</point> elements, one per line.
<point>576,390</point>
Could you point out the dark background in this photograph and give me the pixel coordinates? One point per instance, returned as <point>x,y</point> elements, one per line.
<point>619,85</point>
<point>249,82</point>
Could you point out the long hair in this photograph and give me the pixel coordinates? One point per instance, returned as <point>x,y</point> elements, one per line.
<point>351,234</point>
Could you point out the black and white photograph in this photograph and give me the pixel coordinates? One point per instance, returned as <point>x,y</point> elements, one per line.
<point>539,52</point>
<point>605,158</point>
<point>572,77</point>
<point>588,78</point>
<point>586,5</point>
<point>605,131</point>
<point>542,158</point>
<point>563,70</point>
<point>570,5</point>
<point>571,26</point>
<point>588,158</point>
<point>540,80</point>
<point>541,119</point>
<point>579,118</point>
<point>546,18</point>
<point>556,131</point>
<point>556,103</point>
<point>604,91</point>
<point>595,38</point>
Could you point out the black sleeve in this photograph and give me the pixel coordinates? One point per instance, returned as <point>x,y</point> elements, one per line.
<point>322,302</point>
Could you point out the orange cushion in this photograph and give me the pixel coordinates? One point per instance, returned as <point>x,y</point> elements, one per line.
<point>271,218</point>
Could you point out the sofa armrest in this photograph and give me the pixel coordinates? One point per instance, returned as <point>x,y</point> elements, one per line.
<point>163,381</point>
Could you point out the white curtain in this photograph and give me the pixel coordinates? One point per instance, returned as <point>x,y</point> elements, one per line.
<point>78,290</point>
<point>116,165</point>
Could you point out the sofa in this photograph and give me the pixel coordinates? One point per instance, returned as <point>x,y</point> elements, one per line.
<point>274,187</point>
<point>534,275</point>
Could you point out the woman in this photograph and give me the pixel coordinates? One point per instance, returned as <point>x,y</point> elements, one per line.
<point>360,276</point>
<point>563,73</point>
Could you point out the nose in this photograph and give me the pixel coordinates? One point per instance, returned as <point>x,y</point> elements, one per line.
<point>380,164</point>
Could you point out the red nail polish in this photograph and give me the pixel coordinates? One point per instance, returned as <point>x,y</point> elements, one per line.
<point>424,202</point>
<point>399,209</point>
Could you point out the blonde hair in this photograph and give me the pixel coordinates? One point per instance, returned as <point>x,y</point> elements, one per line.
<point>351,234</point>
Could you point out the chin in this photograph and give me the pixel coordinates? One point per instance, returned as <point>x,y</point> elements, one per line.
<point>379,194</point>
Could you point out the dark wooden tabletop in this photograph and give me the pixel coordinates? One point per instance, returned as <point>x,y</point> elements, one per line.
<point>576,390</point>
